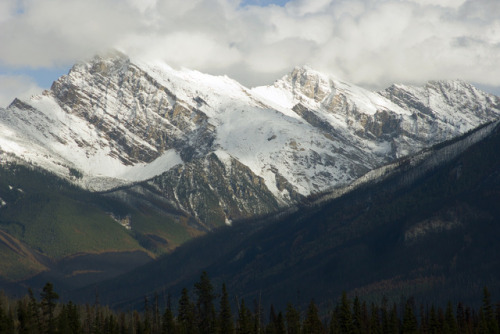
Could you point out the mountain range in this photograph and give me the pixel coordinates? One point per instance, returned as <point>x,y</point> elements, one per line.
<point>219,151</point>
<point>123,160</point>
<point>427,230</point>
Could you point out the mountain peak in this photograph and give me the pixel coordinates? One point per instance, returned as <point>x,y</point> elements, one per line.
<point>308,82</point>
<point>104,64</point>
<point>120,122</point>
<point>305,73</point>
<point>454,85</point>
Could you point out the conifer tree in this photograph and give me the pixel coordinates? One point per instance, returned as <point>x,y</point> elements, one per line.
<point>394,321</point>
<point>375,327</point>
<point>6,319</point>
<point>433,321</point>
<point>185,316</point>
<point>450,320</point>
<point>489,315</point>
<point>365,321</point>
<point>357,317</point>
<point>280,324</point>
<point>498,314</point>
<point>244,323</point>
<point>110,325</point>
<point>461,322</point>
<point>312,324</point>
<point>122,324</point>
<point>22,317</point>
<point>469,319</point>
<point>48,303</point>
<point>410,325</point>
<point>168,323</point>
<point>138,325</point>
<point>384,315</point>
<point>257,317</point>
<point>147,316</point>
<point>3,320</point>
<point>34,309</point>
<point>74,318</point>
<point>26,318</point>
<point>205,305</point>
<point>226,324</point>
<point>98,322</point>
<point>334,327</point>
<point>345,316</point>
<point>424,328</point>
<point>441,320</point>
<point>63,321</point>
<point>271,325</point>
<point>292,317</point>
<point>156,316</point>
<point>88,322</point>
<point>10,322</point>
<point>483,323</point>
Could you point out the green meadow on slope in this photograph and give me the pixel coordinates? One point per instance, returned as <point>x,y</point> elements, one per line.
<point>44,219</point>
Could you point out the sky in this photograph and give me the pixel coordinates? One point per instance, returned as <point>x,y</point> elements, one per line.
<point>372,43</point>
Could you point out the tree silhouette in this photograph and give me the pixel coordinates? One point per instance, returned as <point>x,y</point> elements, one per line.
<point>48,303</point>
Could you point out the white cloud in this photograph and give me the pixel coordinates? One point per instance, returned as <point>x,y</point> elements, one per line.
<point>185,49</point>
<point>304,7</point>
<point>7,9</point>
<point>369,42</point>
<point>16,86</point>
<point>143,5</point>
<point>442,3</point>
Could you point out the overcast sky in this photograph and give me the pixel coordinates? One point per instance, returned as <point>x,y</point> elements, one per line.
<point>372,43</point>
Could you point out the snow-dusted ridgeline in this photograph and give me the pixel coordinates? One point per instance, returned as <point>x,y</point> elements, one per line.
<point>120,122</point>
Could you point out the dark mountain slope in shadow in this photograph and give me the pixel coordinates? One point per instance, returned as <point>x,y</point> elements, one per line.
<point>432,234</point>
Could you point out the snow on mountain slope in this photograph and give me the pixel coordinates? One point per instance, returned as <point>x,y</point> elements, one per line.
<point>221,151</point>
<point>47,136</point>
<point>457,105</point>
<point>398,121</point>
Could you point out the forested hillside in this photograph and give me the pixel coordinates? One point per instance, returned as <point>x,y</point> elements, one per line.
<point>433,236</point>
<point>206,309</point>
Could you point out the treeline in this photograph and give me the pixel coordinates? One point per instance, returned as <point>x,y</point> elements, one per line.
<point>211,313</point>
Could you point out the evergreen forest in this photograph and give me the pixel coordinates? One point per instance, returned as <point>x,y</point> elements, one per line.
<point>205,310</point>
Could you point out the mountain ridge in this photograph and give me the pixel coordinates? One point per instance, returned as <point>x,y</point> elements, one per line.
<point>113,122</point>
<point>123,160</point>
<point>425,233</point>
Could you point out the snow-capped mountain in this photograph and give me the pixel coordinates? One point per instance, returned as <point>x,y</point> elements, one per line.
<point>218,150</point>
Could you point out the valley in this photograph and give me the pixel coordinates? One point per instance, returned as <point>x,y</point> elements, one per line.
<point>128,173</point>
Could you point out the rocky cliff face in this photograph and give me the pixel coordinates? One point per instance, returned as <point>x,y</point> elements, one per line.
<point>215,189</point>
<point>140,118</point>
<point>217,150</point>
<point>404,117</point>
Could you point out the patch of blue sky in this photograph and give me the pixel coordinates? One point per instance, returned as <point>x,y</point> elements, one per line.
<point>44,77</point>
<point>495,90</point>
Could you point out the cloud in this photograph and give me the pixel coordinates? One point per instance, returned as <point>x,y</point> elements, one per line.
<point>368,42</point>
<point>7,9</point>
<point>441,3</point>
<point>16,86</point>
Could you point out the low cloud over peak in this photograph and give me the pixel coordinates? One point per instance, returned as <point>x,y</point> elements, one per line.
<point>369,42</point>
